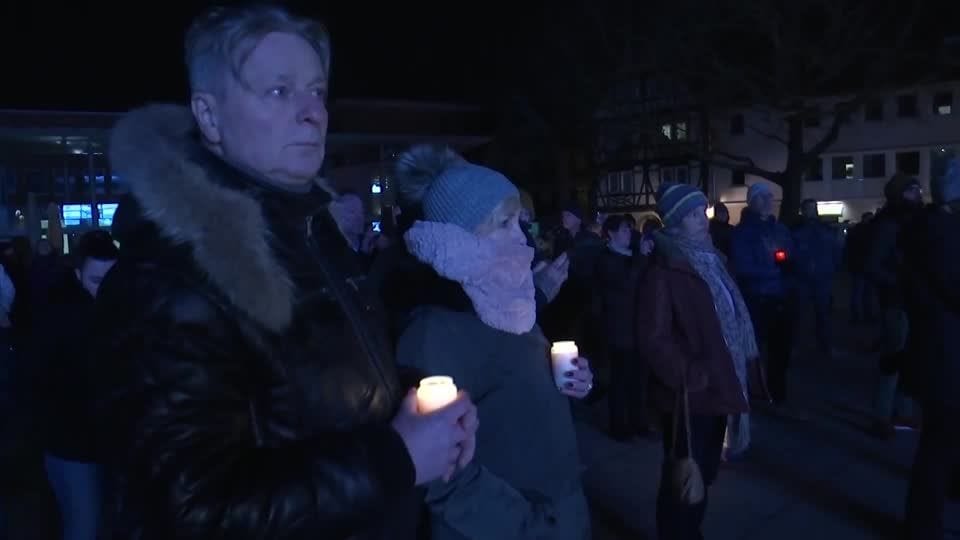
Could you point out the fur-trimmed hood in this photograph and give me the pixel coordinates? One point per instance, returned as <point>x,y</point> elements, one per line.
<point>179,188</point>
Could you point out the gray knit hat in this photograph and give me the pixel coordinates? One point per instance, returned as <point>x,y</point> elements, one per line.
<point>449,188</point>
<point>946,189</point>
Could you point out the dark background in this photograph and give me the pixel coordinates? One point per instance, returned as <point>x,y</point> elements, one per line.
<point>94,56</point>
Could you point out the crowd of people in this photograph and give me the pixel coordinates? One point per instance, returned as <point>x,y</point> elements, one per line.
<point>246,363</point>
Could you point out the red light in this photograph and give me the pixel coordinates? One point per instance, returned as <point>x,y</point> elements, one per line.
<point>780,256</point>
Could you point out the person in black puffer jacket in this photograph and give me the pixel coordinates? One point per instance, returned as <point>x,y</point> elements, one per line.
<point>248,386</point>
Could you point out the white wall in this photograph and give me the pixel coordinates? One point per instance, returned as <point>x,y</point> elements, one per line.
<point>926,133</point>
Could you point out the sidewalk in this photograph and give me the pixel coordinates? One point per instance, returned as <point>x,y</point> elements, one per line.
<point>817,477</point>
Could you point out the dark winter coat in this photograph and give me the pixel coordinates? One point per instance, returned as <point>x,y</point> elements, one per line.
<point>679,334</point>
<point>752,255</point>
<point>931,282</point>
<point>816,254</point>
<point>524,482</point>
<point>62,358</point>
<point>885,257</point>
<point>250,385</point>
<point>614,302</point>
<point>722,235</point>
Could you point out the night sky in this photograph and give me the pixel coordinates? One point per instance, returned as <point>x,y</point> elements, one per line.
<point>86,56</point>
<point>94,56</point>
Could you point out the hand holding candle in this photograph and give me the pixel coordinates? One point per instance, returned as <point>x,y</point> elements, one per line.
<point>435,393</point>
<point>563,353</point>
<point>438,425</point>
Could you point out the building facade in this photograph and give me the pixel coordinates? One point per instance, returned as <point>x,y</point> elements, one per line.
<point>59,157</point>
<point>913,130</point>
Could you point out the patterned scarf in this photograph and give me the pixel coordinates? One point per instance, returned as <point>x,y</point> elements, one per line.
<point>735,323</point>
<point>495,274</point>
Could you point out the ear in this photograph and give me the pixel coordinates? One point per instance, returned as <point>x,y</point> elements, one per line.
<point>205,112</point>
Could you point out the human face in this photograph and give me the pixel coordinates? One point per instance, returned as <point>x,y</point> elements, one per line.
<point>272,123</point>
<point>762,205</point>
<point>695,224</point>
<point>913,194</point>
<point>570,222</point>
<point>91,274</point>
<point>506,228</point>
<point>622,236</point>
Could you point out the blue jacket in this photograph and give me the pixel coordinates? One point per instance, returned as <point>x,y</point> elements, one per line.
<point>816,256</point>
<point>752,250</point>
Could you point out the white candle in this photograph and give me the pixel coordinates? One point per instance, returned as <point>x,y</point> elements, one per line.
<point>435,393</point>
<point>563,353</point>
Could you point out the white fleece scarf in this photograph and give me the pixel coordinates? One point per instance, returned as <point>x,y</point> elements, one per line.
<point>494,273</point>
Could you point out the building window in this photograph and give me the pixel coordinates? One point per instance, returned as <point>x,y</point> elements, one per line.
<point>106,212</point>
<point>943,103</point>
<point>908,163</point>
<point>680,131</point>
<point>874,165</point>
<point>376,187</point>
<point>680,174</point>
<point>739,178</point>
<point>907,105</point>
<point>842,167</point>
<point>76,214</point>
<point>736,124</point>
<point>676,131</point>
<point>815,173</point>
<point>873,111</point>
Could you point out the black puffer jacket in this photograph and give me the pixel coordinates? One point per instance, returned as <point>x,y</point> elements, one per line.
<point>249,384</point>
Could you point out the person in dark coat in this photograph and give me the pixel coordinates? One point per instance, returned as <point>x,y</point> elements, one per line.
<point>618,271</point>
<point>884,268</point>
<point>249,388</point>
<point>764,280</point>
<point>64,354</point>
<point>932,295</point>
<point>862,297</point>
<point>475,320</point>
<point>695,329</point>
<point>721,231</point>
<point>815,260</point>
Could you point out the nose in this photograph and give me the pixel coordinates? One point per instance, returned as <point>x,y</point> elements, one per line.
<point>313,111</point>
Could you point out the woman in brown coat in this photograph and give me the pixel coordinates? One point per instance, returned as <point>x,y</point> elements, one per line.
<point>695,330</point>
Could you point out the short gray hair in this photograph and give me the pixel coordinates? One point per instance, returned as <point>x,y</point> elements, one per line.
<point>221,39</point>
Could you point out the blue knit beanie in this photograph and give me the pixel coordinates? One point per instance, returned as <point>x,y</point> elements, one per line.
<point>946,189</point>
<point>675,201</point>
<point>449,188</point>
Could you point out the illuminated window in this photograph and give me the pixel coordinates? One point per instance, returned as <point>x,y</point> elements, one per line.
<point>106,212</point>
<point>667,131</point>
<point>842,167</point>
<point>376,187</point>
<point>681,131</point>
<point>830,208</point>
<point>75,214</point>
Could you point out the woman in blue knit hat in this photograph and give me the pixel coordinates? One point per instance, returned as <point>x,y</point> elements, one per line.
<point>474,319</point>
<point>695,331</point>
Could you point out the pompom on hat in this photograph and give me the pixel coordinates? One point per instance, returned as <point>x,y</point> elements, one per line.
<point>449,188</point>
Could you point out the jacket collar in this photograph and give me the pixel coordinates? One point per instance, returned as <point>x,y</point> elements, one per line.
<point>195,200</point>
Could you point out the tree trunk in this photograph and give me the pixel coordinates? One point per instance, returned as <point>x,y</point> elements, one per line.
<point>792,185</point>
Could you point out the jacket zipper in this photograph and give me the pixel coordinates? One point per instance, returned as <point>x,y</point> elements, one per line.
<point>348,309</point>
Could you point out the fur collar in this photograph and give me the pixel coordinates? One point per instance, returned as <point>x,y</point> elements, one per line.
<point>155,151</point>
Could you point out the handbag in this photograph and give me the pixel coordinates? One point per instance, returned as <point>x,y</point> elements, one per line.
<point>686,482</point>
